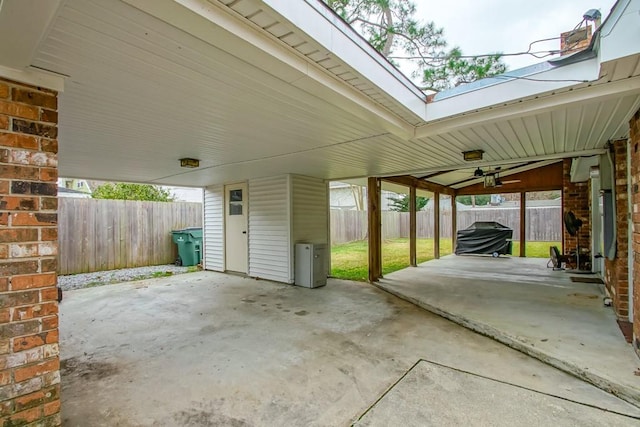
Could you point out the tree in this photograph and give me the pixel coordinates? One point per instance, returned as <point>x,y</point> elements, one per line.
<point>479,200</point>
<point>401,203</point>
<point>392,29</point>
<point>358,196</point>
<point>124,191</point>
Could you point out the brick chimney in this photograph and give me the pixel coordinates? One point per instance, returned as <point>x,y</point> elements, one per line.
<point>575,40</point>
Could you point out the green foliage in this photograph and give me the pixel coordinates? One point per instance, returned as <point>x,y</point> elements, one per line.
<point>456,70</point>
<point>392,29</point>
<point>401,203</point>
<point>159,274</point>
<point>480,200</point>
<point>349,260</point>
<point>124,191</point>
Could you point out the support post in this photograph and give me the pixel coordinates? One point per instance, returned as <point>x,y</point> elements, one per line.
<point>29,351</point>
<point>454,223</point>
<point>523,224</point>
<point>374,225</point>
<point>436,225</point>
<point>413,253</point>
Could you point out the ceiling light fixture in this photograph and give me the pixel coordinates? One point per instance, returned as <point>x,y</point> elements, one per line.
<point>478,173</point>
<point>189,163</point>
<point>489,180</point>
<point>473,155</point>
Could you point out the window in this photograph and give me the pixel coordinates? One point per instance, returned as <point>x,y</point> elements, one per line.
<point>235,208</point>
<point>235,202</point>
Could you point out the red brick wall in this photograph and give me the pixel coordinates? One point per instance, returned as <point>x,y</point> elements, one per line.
<point>617,270</point>
<point>635,194</point>
<point>29,355</point>
<point>575,197</point>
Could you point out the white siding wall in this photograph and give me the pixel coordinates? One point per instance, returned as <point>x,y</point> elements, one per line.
<point>269,229</point>
<point>309,208</point>
<point>283,210</point>
<point>310,216</point>
<point>213,219</point>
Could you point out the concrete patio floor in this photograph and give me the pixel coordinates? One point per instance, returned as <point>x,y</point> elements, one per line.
<point>207,349</point>
<point>524,304</point>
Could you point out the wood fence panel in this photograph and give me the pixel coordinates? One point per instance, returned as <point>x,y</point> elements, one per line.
<point>97,235</point>
<point>543,223</point>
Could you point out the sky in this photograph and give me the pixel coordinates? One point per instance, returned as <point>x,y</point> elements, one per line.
<point>486,26</point>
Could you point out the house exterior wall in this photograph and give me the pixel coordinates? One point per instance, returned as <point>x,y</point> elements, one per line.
<point>269,229</point>
<point>617,270</point>
<point>29,354</point>
<point>575,197</point>
<point>635,194</point>
<point>310,212</point>
<point>213,228</point>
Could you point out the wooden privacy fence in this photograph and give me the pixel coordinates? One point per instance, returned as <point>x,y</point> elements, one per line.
<point>543,223</point>
<point>98,235</point>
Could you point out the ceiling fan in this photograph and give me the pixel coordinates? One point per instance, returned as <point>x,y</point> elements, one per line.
<point>492,177</point>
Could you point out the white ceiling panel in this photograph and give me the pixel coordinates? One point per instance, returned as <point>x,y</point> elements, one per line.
<point>576,127</point>
<point>142,93</point>
<point>139,88</point>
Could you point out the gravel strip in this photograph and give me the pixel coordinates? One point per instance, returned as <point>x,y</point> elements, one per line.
<point>87,280</point>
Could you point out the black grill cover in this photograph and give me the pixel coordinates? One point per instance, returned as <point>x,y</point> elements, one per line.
<point>484,237</point>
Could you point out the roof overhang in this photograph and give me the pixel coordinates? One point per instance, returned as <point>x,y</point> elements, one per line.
<point>257,88</point>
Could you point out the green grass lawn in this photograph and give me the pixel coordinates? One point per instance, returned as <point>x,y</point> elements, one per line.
<point>349,260</point>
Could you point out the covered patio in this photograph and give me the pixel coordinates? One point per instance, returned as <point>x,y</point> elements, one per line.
<point>208,349</point>
<point>272,100</point>
<point>527,306</point>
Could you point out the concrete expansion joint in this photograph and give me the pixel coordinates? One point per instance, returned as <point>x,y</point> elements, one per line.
<point>621,391</point>
<point>466,372</point>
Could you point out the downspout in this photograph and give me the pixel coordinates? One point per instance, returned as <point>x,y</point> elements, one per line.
<point>610,252</point>
<point>630,251</point>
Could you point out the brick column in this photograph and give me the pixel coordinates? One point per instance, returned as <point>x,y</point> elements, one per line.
<point>575,197</point>
<point>634,125</point>
<point>29,355</point>
<point>617,270</point>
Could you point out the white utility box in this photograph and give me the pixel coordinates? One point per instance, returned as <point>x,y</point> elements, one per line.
<point>310,265</point>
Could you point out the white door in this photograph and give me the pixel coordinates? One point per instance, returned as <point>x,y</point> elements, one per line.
<point>236,250</point>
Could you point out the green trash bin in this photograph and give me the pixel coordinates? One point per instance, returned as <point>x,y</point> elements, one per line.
<point>189,241</point>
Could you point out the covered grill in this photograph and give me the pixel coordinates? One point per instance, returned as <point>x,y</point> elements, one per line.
<point>484,237</point>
